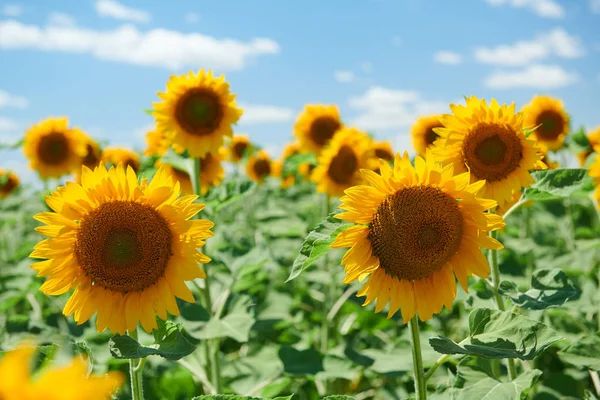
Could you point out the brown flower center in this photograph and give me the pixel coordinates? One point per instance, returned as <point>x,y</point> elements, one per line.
<point>322,130</point>
<point>92,158</point>
<point>492,151</point>
<point>133,163</point>
<point>416,231</point>
<point>384,153</point>
<point>262,167</point>
<point>8,185</point>
<point>124,246</point>
<point>431,136</point>
<point>53,148</point>
<point>553,125</point>
<point>343,166</point>
<point>239,148</point>
<point>199,112</point>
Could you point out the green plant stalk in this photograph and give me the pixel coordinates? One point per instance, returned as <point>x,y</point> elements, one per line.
<point>136,366</point>
<point>329,294</point>
<point>440,361</point>
<point>420,383</point>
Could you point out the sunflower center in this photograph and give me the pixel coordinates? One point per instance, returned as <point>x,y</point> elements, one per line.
<point>416,231</point>
<point>239,148</point>
<point>383,153</point>
<point>130,162</point>
<point>322,130</point>
<point>431,136</point>
<point>124,246</point>
<point>262,168</point>
<point>9,185</point>
<point>552,125</point>
<point>199,112</point>
<point>492,151</point>
<point>92,158</point>
<point>53,148</point>
<point>343,166</point>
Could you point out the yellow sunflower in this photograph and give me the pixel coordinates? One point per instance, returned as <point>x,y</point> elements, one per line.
<point>383,150</point>
<point>126,247</point>
<point>93,153</point>
<point>237,148</point>
<point>549,115</point>
<point>291,150</point>
<point>316,126</point>
<point>197,112</point>
<point>157,143</point>
<point>277,172</point>
<point>594,139</point>
<point>546,160</point>
<point>423,134</point>
<point>68,382</point>
<point>306,169</point>
<point>340,163</point>
<point>594,172</point>
<point>54,149</point>
<point>116,155</point>
<point>259,166</point>
<point>9,182</point>
<point>488,140</point>
<point>211,174</point>
<point>416,229</point>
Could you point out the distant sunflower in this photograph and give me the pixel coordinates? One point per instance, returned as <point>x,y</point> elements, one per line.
<point>594,140</point>
<point>277,172</point>
<point>316,126</point>
<point>488,140</point>
<point>116,155</point>
<point>126,247</point>
<point>211,174</point>
<point>552,119</point>
<point>594,172</point>
<point>291,149</point>
<point>93,153</point>
<point>157,143</point>
<point>383,150</point>
<point>259,166</point>
<point>416,229</point>
<point>9,182</point>
<point>68,382</point>
<point>54,149</point>
<point>340,163</point>
<point>306,169</point>
<point>187,188</point>
<point>237,148</point>
<point>197,112</point>
<point>423,134</point>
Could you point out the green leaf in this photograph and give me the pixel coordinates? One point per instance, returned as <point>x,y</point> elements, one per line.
<point>169,343</point>
<point>579,141</point>
<point>149,111</point>
<point>177,161</point>
<point>584,352</point>
<point>549,288</point>
<point>499,334</point>
<point>317,243</point>
<point>228,193</point>
<point>14,146</point>
<point>292,163</point>
<point>338,397</point>
<point>301,362</point>
<point>236,324</point>
<point>238,397</point>
<point>552,184</point>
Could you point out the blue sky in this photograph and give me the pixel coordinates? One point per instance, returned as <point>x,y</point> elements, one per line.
<point>383,62</point>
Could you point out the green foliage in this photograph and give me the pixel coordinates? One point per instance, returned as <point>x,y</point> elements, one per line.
<point>551,184</point>
<point>549,288</point>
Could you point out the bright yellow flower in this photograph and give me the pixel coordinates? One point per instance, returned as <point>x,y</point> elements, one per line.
<point>488,140</point>
<point>383,150</point>
<point>291,149</point>
<point>552,119</point>
<point>416,229</point>
<point>126,247</point>
<point>211,174</point>
<point>594,172</point>
<point>277,172</point>
<point>157,143</point>
<point>196,113</point>
<point>117,155</point>
<point>93,154</point>
<point>237,148</point>
<point>54,149</point>
<point>259,166</point>
<point>316,126</point>
<point>422,132</point>
<point>306,169</point>
<point>9,182</point>
<point>594,139</point>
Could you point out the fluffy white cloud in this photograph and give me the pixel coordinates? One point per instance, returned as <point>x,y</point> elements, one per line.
<point>192,18</point>
<point>156,47</point>
<point>344,76</point>
<point>447,57</point>
<point>11,100</point>
<point>114,9</point>
<point>595,6</point>
<point>11,10</point>
<point>61,19</point>
<point>263,114</point>
<point>543,8</point>
<point>534,76</point>
<point>554,43</point>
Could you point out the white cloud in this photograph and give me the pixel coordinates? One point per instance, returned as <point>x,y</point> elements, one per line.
<point>554,43</point>
<point>60,19</point>
<point>156,47</point>
<point>10,100</point>
<point>7,126</point>
<point>595,6</point>
<point>263,114</point>
<point>534,76</point>
<point>192,18</point>
<point>344,76</point>
<point>543,8</point>
<point>114,9</point>
<point>11,10</point>
<point>447,57</point>
<point>397,41</point>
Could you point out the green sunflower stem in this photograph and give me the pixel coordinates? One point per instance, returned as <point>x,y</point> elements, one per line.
<point>136,366</point>
<point>420,383</point>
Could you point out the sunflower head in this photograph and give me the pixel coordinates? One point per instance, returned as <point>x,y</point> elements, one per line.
<point>416,228</point>
<point>546,160</point>
<point>340,163</point>
<point>552,122</point>
<point>423,134</point>
<point>594,140</point>
<point>93,154</point>
<point>126,247</point>
<point>306,169</point>
<point>9,182</point>
<point>118,155</point>
<point>157,143</point>
<point>489,141</point>
<point>594,172</point>
<point>259,166</point>
<point>237,148</point>
<point>54,149</point>
<point>196,112</point>
<point>316,126</point>
<point>187,188</point>
<point>291,149</point>
<point>277,172</point>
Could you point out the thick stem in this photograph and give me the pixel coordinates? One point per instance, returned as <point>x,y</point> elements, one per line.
<point>420,384</point>
<point>136,367</point>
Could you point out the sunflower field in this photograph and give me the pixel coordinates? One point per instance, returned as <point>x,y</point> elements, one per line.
<point>202,268</point>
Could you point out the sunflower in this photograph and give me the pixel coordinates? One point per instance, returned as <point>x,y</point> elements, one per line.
<point>156,143</point>
<point>178,175</point>
<point>93,153</point>
<point>9,182</point>
<point>306,169</point>
<point>316,126</point>
<point>416,228</point>
<point>237,148</point>
<point>488,140</point>
<point>383,150</point>
<point>291,150</point>
<point>546,160</point>
<point>594,140</point>
<point>68,382</point>
<point>54,149</point>
<point>196,113</point>
<point>277,172</point>
<point>211,174</point>
<point>551,119</point>
<point>126,247</point>
<point>339,164</point>
<point>259,166</point>
<point>594,172</point>
<point>423,134</point>
<point>116,155</point>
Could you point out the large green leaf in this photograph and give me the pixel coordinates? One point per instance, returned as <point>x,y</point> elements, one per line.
<point>549,288</point>
<point>317,243</point>
<point>551,184</point>
<point>584,352</point>
<point>499,334</point>
<point>291,164</point>
<point>238,397</point>
<point>301,362</point>
<point>177,161</point>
